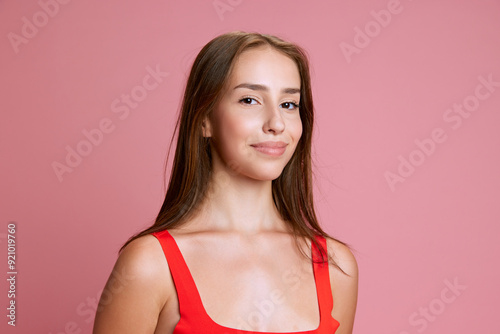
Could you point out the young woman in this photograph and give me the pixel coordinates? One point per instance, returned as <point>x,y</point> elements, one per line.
<point>236,246</point>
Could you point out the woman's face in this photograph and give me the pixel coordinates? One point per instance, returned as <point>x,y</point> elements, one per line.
<point>260,105</point>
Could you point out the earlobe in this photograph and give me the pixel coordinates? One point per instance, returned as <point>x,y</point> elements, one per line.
<point>207,130</point>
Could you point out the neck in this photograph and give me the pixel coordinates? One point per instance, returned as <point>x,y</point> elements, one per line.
<point>236,203</point>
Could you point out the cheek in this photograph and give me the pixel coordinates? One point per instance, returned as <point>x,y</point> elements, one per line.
<point>231,128</point>
<point>296,129</point>
<point>233,134</point>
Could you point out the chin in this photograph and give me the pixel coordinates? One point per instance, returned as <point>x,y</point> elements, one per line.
<point>268,175</point>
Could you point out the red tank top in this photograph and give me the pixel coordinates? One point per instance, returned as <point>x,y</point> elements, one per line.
<point>195,320</point>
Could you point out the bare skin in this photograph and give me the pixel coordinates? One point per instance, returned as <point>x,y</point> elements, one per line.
<point>239,254</point>
<point>149,304</point>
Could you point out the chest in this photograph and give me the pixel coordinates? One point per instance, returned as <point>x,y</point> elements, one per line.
<point>263,287</point>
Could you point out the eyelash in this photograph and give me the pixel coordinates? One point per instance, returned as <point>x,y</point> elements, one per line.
<point>295,105</point>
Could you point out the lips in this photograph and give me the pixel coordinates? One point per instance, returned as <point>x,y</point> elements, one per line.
<point>270,144</point>
<point>272,148</point>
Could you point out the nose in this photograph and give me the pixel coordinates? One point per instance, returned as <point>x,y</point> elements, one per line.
<point>274,121</point>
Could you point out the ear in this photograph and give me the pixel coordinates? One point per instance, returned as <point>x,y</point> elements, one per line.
<point>207,127</point>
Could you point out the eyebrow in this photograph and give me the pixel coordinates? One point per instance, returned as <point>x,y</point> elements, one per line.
<point>266,89</point>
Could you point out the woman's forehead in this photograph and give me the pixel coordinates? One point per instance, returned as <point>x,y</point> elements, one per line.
<point>265,66</point>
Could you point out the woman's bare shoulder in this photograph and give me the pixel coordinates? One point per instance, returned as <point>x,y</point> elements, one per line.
<point>145,260</point>
<point>137,289</point>
<point>344,285</point>
<point>144,255</point>
<point>343,256</point>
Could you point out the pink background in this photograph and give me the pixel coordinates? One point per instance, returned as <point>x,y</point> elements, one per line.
<point>437,225</point>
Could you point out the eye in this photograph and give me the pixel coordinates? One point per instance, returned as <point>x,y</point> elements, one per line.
<point>290,105</point>
<point>247,100</point>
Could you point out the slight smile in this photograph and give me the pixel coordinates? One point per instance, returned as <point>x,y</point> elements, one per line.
<point>273,148</point>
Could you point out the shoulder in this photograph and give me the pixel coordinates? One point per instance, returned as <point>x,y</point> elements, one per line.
<point>344,285</point>
<point>137,289</point>
<point>142,253</point>
<point>343,256</point>
<point>145,262</point>
<point>144,256</point>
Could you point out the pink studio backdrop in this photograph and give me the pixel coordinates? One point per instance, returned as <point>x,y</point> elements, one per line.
<point>407,97</point>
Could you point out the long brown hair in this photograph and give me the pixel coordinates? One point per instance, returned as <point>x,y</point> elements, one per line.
<point>191,170</point>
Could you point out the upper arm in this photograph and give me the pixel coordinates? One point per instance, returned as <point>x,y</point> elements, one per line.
<point>136,290</point>
<point>344,287</point>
